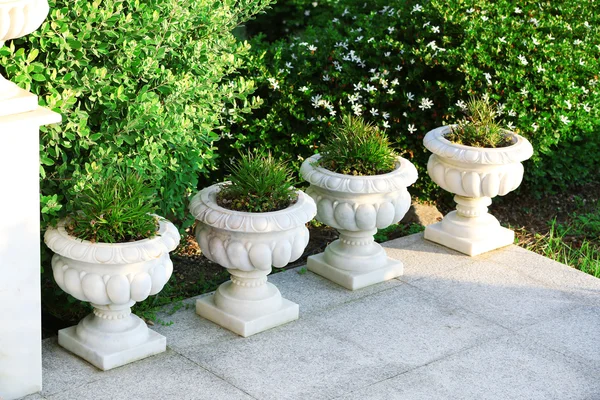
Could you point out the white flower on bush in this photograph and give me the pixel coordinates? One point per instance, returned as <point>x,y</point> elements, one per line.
<point>289,65</point>
<point>512,113</point>
<point>312,47</point>
<point>411,128</point>
<point>370,89</point>
<point>518,10</point>
<point>303,89</point>
<point>540,69</point>
<point>471,10</point>
<point>398,68</point>
<point>390,29</point>
<point>586,107</point>
<point>461,104</point>
<point>410,96</point>
<point>488,78</point>
<point>386,124</point>
<point>565,120</point>
<point>374,112</point>
<point>523,59</point>
<point>326,78</point>
<point>535,126</point>
<point>510,126</point>
<point>335,20</point>
<point>385,115</point>
<point>357,109</point>
<point>391,91</point>
<point>502,39</point>
<point>417,8</point>
<point>524,92</point>
<point>274,83</point>
<point>568,104</point>
<point>316,100</point>
<point>395,82</point>
<point>435,29</point>
<point>426,104</point>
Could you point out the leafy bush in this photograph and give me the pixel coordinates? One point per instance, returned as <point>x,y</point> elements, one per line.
<point>258,183</point>
<point>409,67</point>
<point>145,82</point>
<point>115,209</point>
<point>357,148</point>
<point>479,128</point>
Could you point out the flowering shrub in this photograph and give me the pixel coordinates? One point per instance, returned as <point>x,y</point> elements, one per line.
<point>409,67</point>
<point>136,82</point>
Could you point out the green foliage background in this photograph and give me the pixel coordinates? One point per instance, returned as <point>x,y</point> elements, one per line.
<point>146,84</point>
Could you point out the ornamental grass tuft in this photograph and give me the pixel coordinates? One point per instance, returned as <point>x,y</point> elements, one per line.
<point>358,148</point>
<point>479,128</point>
<point>258,183</point>
<point>115,209</point>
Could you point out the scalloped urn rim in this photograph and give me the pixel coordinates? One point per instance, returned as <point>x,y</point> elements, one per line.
<point>436,142</point>
<point>204,203</point>
<point>403,176</point>
<point>58,239</point>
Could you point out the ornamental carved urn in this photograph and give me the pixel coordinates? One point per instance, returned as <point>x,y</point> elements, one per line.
<point>357,206</point>
<point>475,175</point>
<point>249,245</point>
<point>112,277</point>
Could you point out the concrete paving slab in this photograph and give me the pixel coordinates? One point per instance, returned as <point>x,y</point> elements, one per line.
<point>422,258</point>
<point>507,368</point>
<point>404,325</point>
<point>294,361</point>
<point>166,376</point>
<point>580,285</point>
<point>498,293</point>
<point>316,294</point>
<point>506,325</point>
<point>574,333</point>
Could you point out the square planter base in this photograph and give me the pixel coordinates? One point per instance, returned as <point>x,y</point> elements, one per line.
<point>354,279</point>
<point>499,237</point>
<point>106,360</point>
<point>206,308</point>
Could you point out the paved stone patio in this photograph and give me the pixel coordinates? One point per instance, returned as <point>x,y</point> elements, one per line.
<point>509,324</point>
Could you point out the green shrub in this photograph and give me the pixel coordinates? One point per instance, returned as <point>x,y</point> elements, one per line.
<point>357,148</point>
<point>409,67</point>
<point>115,209</point>
<point>258,183</point>
<point>479,128</point>
<point>145,82</point>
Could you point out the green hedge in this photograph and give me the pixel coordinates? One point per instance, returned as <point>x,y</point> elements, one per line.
<point>146,84</point>
<point>415,62</point>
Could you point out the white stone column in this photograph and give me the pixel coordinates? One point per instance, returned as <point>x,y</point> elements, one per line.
<point>20,307</point>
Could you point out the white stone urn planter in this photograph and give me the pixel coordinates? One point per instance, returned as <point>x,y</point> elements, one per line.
<point>112,277</point>
<point>248,245</point>
<point>475,175</point>
<point>357,206</point>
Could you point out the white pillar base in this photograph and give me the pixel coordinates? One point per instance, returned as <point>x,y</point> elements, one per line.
<point>14,100</point>
<point>354,280</point>
<point>491,238</point>
<point>247,315</point>
<point>105,347</point>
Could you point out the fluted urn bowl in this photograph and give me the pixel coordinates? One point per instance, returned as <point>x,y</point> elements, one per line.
<point>112,277</point>
<point>357,206</point>
<point>475,175</point>
<point>249,245</point>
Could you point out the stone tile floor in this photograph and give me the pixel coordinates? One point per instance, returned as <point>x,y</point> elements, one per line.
<point>509,324</point>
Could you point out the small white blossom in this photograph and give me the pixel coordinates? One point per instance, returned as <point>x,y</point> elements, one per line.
<point>535,126</point>
<point>370,89</point>
<point>386,124</point>
<point>357,109</point>
<point>346,12</point>
<point>411,128</point>
<point>471,10</point>
<point>307,13</point>
<point>335,20</point>
<point>371,40</point>
<point>395,82</point>
<point>425,104</point>
<point>316,100</point>
<point>374,112</point>
<point>565,120</point>
<point>577,42</point>
<point>274,83</point>
<point>312,47</point>
<point>435,29</point>
<point>461,104</point>
<point>391,91</point>
<point>568,103</point>
<point>488,78</point>
<point>358,86</point>
<point>502,39</point>
<point>512,113</point>
<point>510,126</point>
<point>410,96</point>
<point>326,78</point>
<point>387,53</point>
<point>391,29</point>
<point>385,115</point>
<point>289,65</point>
<point>303,89</point>
<point>398,68</point>
<point>358,39</point>
<point>524,92</point>
<point>518,10</point>
<point>586,107</point>
<point>540,69</point>
<point>523,59</point>
<point>417,8</point>
<point>484,18</point>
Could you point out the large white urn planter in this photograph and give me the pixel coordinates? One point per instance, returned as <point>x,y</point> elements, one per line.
<point>248,245</point>
<point>112,277</point>
<point>475,175</point>
<point>357,206</point>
